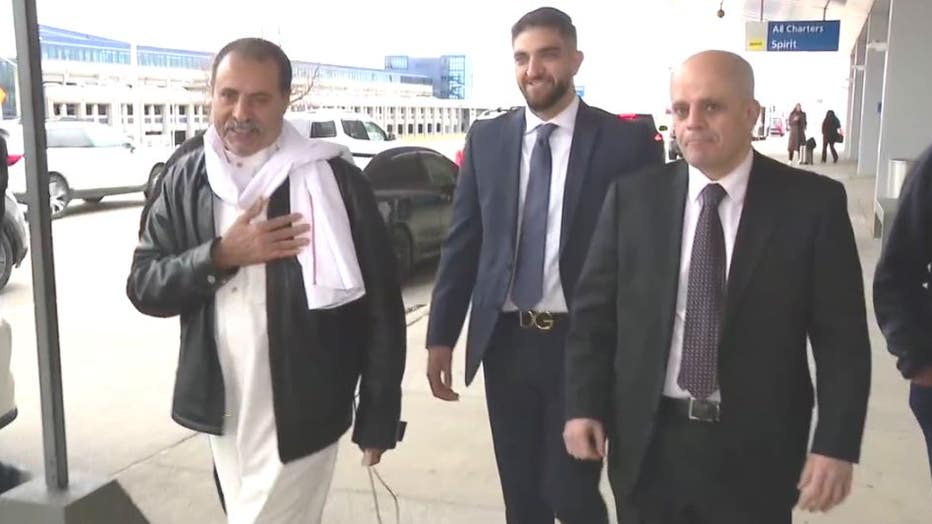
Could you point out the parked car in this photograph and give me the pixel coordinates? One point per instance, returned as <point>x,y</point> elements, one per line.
<point>485,115</point>
<point>647,120</point>
<point>13,235</point>
<point>87,161</point>
<point>493,113</point>
<point>362,135</point>
<point>673,147</point>
<point>777,126</point>
<point>414,190</point>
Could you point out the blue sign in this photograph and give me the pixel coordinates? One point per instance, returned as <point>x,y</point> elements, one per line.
<point>803,35</point>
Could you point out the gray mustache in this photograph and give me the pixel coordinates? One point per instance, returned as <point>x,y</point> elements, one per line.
<point>241,127</point>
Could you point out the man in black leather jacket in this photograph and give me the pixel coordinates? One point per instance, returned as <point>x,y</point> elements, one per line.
<point>316,354</point>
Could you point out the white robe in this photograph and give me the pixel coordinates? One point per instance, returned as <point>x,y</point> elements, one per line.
<point>256,486</point>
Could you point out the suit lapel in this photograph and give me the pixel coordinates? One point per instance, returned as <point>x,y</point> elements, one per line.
<point>668,232</point>
<point>757,222</point>
<point>584,136</point>
<point>510,172</point>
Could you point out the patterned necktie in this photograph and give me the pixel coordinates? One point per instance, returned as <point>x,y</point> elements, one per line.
<point>705,300</point>
<point>528,285</point>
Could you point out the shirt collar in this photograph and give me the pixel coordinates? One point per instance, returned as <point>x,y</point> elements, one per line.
<point>734,183</point>
<point>565,120</point>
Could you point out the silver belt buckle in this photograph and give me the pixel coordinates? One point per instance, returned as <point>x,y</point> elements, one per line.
<point>542,320</point>
<point>704,410</point>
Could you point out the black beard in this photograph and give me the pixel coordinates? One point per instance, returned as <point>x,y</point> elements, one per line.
<point>559,91</point>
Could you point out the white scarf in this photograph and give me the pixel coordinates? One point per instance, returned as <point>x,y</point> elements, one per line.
<point>328,263</point>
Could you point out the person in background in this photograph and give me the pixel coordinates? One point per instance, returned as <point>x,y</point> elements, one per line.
<point>831,134</point>
<point>797,136</point>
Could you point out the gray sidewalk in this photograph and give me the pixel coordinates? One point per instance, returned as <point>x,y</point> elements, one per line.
<point>444,471</point>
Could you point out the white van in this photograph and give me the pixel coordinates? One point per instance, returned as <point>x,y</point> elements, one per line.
<point>359,133</point>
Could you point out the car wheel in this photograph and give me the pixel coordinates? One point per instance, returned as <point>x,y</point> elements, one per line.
<point>404,251</point>
<point>59,194</point>
<point>6,260</point>
<point>154,176</point>
<point>95,200</point>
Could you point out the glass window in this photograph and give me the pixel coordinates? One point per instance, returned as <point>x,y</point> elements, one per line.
<point>402,171</point>
<point>441,171</point>
<point>105,136</point>
<point>326,129</point>
<point>355,129</point>
<point>375,132</point>
<point>67,137</point>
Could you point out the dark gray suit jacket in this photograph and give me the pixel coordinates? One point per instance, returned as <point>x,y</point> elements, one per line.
<point>478,254</point>
<point>795,275</point>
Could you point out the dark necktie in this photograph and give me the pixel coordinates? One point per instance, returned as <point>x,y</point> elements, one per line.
<point>705,300</point>
<point>528,285</point>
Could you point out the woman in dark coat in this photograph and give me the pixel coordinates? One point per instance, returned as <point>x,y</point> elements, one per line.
<point>830,134</point>
<point>797,125</point>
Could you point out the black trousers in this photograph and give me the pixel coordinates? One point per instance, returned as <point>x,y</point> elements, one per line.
<point>920,402</point>
<point>682,481</point>
<point>523,370</point>
<point>830,145</point>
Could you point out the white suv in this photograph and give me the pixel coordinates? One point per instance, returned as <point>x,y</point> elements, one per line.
<point>359,133</point>
<point>88,161</point>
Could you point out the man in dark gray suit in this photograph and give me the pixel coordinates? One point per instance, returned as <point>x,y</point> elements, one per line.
<point>529,191</point>
<point>690,323</point>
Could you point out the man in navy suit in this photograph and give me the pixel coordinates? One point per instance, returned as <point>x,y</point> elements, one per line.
<point>529,192</point>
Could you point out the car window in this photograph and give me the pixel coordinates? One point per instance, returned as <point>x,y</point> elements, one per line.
<point>401,172</point>
<point>375,132</point>
<point>441,171</point>
<point>355,129</point>
<point>104,136</point>
<point>326,129</point>
<point>67,137</point>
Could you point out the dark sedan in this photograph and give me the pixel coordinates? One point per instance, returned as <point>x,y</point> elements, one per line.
<point>414,189</point>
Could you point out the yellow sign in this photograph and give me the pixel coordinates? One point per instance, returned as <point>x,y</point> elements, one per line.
<point>756,33</point>
<point>2,96</point>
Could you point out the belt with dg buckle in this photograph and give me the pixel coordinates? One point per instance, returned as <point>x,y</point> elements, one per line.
<point>539,320</point>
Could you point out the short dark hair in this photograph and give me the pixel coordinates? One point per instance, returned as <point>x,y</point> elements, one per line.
<point>259,50</point>
<point>549,17</point>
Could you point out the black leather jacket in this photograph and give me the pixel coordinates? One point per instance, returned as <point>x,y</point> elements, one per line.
<point>317,357</point>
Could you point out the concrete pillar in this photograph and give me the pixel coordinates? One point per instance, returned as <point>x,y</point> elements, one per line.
<point>115,115</point>
<point>874,62</point>
<point>190,128</point>
<point>905,129</point>
<point>167,121</point>
<point>856,98</point>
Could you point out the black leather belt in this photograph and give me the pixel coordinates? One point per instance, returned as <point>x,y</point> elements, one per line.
<point>692,409</point>
<point>540,320</point>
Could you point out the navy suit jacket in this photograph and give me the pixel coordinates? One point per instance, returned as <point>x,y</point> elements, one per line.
<point>902,292</point>
<point>478,254</point>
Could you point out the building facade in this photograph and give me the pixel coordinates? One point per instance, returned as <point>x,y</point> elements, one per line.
<point>160,95</point>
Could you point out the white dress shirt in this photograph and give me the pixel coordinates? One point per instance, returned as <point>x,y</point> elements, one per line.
<point>729,211</point>
<point>561,140</point>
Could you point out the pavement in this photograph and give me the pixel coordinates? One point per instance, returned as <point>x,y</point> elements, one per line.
<point>444,471</point>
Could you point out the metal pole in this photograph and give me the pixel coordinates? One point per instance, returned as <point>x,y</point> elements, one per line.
<point>29,56</point>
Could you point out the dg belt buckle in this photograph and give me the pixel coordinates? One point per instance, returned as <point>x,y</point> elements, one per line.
<point>542,320</point>
<point>703,410</point>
